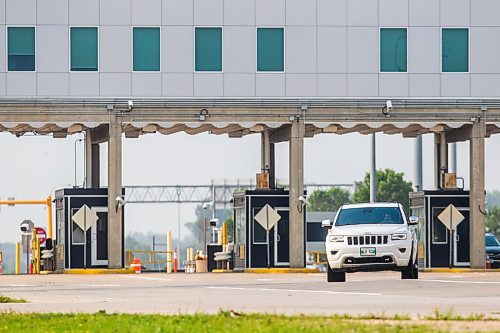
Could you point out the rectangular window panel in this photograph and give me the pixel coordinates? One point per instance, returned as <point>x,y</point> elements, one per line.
<point>455,50</point>
<point>393,51</point>
<point>84,52</point>
<point>270,50</point>
<point>21,48</point>
<point>146,49</point>
<point>208,49</point>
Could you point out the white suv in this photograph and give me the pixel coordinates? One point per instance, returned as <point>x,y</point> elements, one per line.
<point>371,237</point>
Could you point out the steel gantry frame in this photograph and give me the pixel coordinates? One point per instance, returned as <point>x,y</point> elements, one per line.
<point>219,194</point>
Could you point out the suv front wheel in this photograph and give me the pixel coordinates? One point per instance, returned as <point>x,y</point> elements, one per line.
<point>334,276</point>
<point>410,272</point>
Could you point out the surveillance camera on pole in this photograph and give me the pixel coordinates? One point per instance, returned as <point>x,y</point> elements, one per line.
<point>303,200</point>
<point>130,105</point>
<point>119,202</point>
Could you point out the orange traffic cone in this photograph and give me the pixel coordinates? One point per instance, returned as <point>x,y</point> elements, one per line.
<point>488,263</point>
<point>136,265</point>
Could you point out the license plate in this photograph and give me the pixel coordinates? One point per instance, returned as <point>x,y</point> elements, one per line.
<point>367,251</point>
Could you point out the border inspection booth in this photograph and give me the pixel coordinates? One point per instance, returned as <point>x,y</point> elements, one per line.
<point>82,228</point>
<point>444,239</point>
<point>261,229</point>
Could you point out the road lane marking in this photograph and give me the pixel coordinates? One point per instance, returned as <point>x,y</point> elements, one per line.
<point>20,285</point>
<point>99,285</point>
<point>298,291</point>
<point>145,278</point>
<point>464,282</point>
<point>264,279</point>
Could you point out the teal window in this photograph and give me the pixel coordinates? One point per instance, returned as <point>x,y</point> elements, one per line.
<point>393,50</point>
<point>84,49</point>
<point>146,49</point>
<point>270,50</point>
<point>455,50</point>
<point>21,48</point>
<point>208,49</point>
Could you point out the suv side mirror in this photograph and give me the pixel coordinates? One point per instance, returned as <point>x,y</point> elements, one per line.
<point>413,220</point>
<point>327,224</point>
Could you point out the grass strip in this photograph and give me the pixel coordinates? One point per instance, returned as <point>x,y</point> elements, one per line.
<point>6,299</point>
<point>222,322</point>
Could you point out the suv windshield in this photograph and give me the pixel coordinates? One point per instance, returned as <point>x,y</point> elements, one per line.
<point>491,241</point>
<point>369,215</point>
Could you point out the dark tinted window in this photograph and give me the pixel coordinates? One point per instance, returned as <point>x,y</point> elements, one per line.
<point>370,215</point>
<point>491,240</point>
<point>315,233</point>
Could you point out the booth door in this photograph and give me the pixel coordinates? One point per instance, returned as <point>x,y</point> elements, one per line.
<point>444,246</point>
<point>282,239</point>
<point>99,238</point>
<point>462,239</point>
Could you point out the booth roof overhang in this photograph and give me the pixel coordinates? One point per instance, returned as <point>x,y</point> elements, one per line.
<point>242,116</point>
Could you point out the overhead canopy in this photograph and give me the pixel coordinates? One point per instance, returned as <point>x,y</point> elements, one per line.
<point>238,117</point>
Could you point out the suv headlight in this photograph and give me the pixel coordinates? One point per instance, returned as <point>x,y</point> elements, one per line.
<point>336,239</point>
<point>398,236</point>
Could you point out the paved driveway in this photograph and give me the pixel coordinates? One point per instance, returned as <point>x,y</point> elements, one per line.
<point>364,293</point>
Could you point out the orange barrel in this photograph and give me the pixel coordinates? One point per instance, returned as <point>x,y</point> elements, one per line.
<point>136,265</point>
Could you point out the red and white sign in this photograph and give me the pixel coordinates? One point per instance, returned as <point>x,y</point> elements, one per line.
<point>41,235</point>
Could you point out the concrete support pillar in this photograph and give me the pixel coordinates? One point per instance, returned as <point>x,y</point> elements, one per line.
<point>88,161</point>
<point>272,168</point>
<point>267,158</point>
<point>92,163</point>
<point>437,141</point>
<point>418,182</point>
<point>477,195</point>
<point>297,224</point>
<point>266,151</point>
<point>443,158</point>
<point>115,231</point>
<point>373,169</point>
<point>440,159</point>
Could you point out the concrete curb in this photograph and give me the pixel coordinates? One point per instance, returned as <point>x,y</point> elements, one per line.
<point>460,270</point>
<point>280,270</point>
<point>99,271</point>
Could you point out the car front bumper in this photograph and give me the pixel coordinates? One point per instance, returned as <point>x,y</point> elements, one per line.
<point>387,256</point>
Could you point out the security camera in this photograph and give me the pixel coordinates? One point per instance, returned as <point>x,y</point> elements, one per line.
<point>387,108</point>
<point>214,222</point>
<point>130,105</point>
<point>303,200</point>
<point>206,205</point>
<point>120,201</point>
<point>388,105</point>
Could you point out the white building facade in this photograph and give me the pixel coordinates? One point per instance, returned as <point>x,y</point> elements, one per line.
<point>249,48</point>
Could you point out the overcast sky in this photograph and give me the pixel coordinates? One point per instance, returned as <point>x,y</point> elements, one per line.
<point>33,166</point>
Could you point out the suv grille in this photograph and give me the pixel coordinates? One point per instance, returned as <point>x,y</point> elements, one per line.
<point>367,240</point>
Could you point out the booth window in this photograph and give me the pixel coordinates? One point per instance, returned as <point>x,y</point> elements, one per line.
<point>78,236</point>
<point>270,50</point>
<point>84,49</point>
<point>455,50</point>
<point>393,50</point>
<point>208,49</point>
<point>439,230</point>
<point>146,53</point>
<point>21,48</point>
<point>259,233</point>
<point>240,226</point>
<point>315,233</point>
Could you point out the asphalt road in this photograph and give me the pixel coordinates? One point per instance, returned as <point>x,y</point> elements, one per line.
<point>364,293</point>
